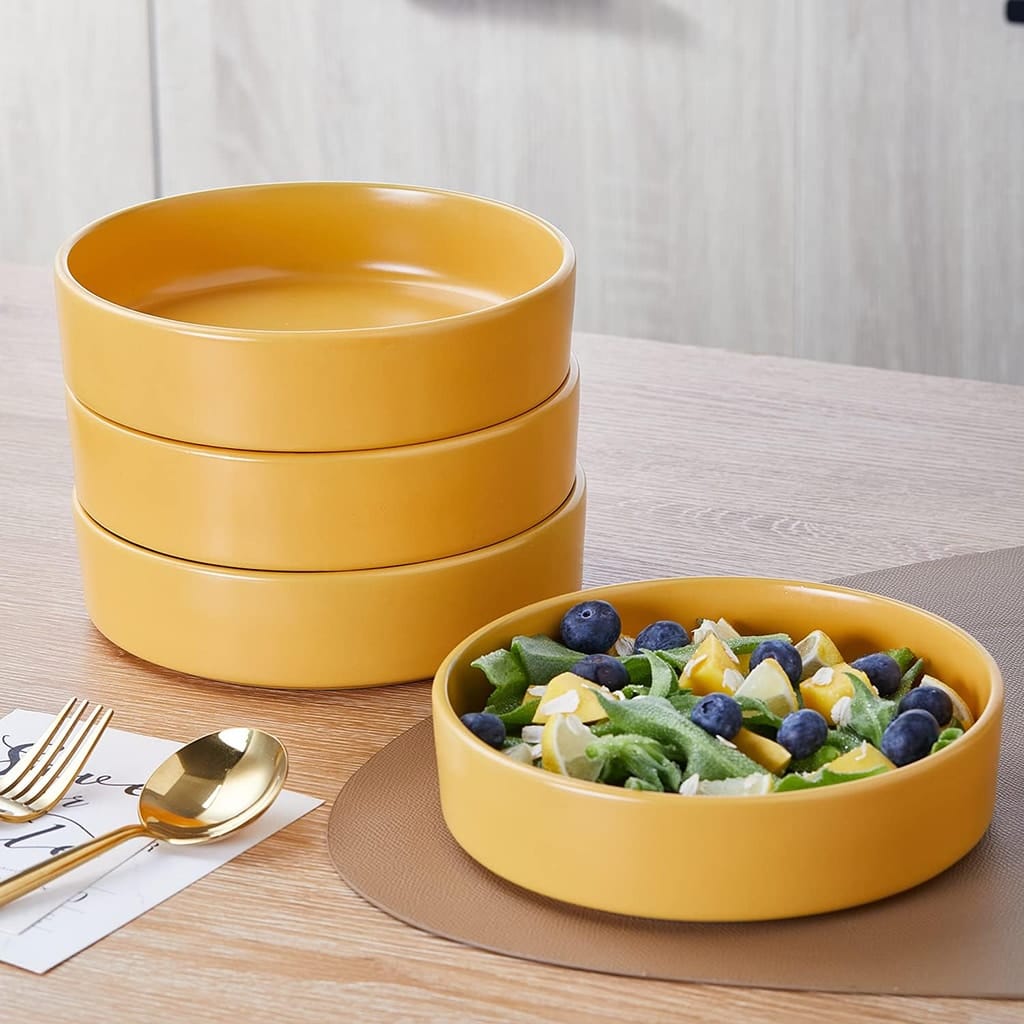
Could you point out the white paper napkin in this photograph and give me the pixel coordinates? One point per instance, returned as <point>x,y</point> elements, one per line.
<point>46,927</point>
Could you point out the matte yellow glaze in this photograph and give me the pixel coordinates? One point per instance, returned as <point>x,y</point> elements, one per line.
<point>318,630</point>
<point>722,858</point>
<point>327,510</point>
<point>315,316</point>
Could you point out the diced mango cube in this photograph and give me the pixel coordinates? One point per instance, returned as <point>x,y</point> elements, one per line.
<point>713,668</point>
<point>817,651</point>
<point>828,685</point>
<point>767,753</point>
<point>570,695</point>
<point>865,758</point>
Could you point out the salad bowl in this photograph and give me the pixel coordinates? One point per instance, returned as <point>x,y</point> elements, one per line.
<point>724,857</point>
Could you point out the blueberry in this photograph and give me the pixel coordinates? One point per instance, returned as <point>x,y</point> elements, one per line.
<point>591,627</point>
<point>662,636</point>
<point>802,732</point>
<point>490,728</point>
<point>930,699</point>
<point>603,670</point>
<point>718,714</point>
<point>883,671</point>
<point>909,736</point>
<point>785,654</point>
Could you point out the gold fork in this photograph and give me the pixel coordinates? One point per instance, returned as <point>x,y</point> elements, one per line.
<point>45,772</point>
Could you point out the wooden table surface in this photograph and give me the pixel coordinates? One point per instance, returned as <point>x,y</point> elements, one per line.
<point>699,461</point>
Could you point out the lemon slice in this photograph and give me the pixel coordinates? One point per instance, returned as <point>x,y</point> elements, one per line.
<point>749,785</point>
<point>960,709</point>
<point>817,651</point>
<point>563,748</point>
<point>770,685</point>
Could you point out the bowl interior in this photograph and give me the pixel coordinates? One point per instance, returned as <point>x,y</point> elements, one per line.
<point>316,256</point>
<point>858,622</point>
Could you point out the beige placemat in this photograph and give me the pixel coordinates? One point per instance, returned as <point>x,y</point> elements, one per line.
<point>961,934</point>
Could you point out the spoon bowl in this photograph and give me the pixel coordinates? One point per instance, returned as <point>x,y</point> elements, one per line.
<point>212,786</point>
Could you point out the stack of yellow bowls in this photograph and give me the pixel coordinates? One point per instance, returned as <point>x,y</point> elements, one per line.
<point>321,431</point>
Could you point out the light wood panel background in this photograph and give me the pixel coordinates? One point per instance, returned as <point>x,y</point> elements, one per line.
<point>839,179</point>
<point>657,134</point>
<point>75,118</point>
<point>911,196</point>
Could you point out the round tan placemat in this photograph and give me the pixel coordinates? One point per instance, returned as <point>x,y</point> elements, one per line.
<point>962,934</point>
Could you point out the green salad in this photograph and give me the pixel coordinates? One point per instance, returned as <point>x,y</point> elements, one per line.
<point>715,712</point>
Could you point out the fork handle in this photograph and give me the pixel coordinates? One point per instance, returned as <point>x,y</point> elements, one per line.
<point>39,874</point>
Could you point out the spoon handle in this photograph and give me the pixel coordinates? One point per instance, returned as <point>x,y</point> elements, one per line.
<point>39,874</point>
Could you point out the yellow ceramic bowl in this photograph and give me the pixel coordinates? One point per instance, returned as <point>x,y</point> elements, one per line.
<point>315,316</point>
<point>318,630</point>
<point>721,858</point>
<point>327,510</point>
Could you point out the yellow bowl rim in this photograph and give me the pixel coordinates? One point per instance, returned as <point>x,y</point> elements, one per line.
<point>562,393</point>
<point>68,280</point>
<point>986,720</point>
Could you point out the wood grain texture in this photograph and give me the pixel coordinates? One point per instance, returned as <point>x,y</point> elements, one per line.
<point>74,119</point>
<point>713,462</point>
<point>911,186</point>
<point>658,135</point>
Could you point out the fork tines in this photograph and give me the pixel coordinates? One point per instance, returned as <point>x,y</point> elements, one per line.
<point>55,759</point>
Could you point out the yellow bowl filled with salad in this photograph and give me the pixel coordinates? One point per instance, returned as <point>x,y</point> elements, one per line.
<point>718,749</point>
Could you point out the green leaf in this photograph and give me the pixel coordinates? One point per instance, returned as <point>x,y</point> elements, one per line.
<point>677,657</point>
<point>521,715</point>
<point>794,782</point>
<point>505,673</point>
<point>822,777</point>
<point>683,701</point>
<point>544,658</point>
<point>757,713</point>
<point>639,669</point>
<point>946,737</point>
<point>903,656</point>
<point>748,644</point>
<point>626,756</point>
<point>633,783</point>
<point>821,757</point>
<point>602,728</point>
<point>633,690</point>
<point>683,741</point>
<point>909,680</point>
<point>502,668</point>
<point>663,679</point>
<point>831,777</point>
<point>869,714</point>
<point>843,740</point>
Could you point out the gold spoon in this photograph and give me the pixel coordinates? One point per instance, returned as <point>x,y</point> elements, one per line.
<point>207,789</point>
